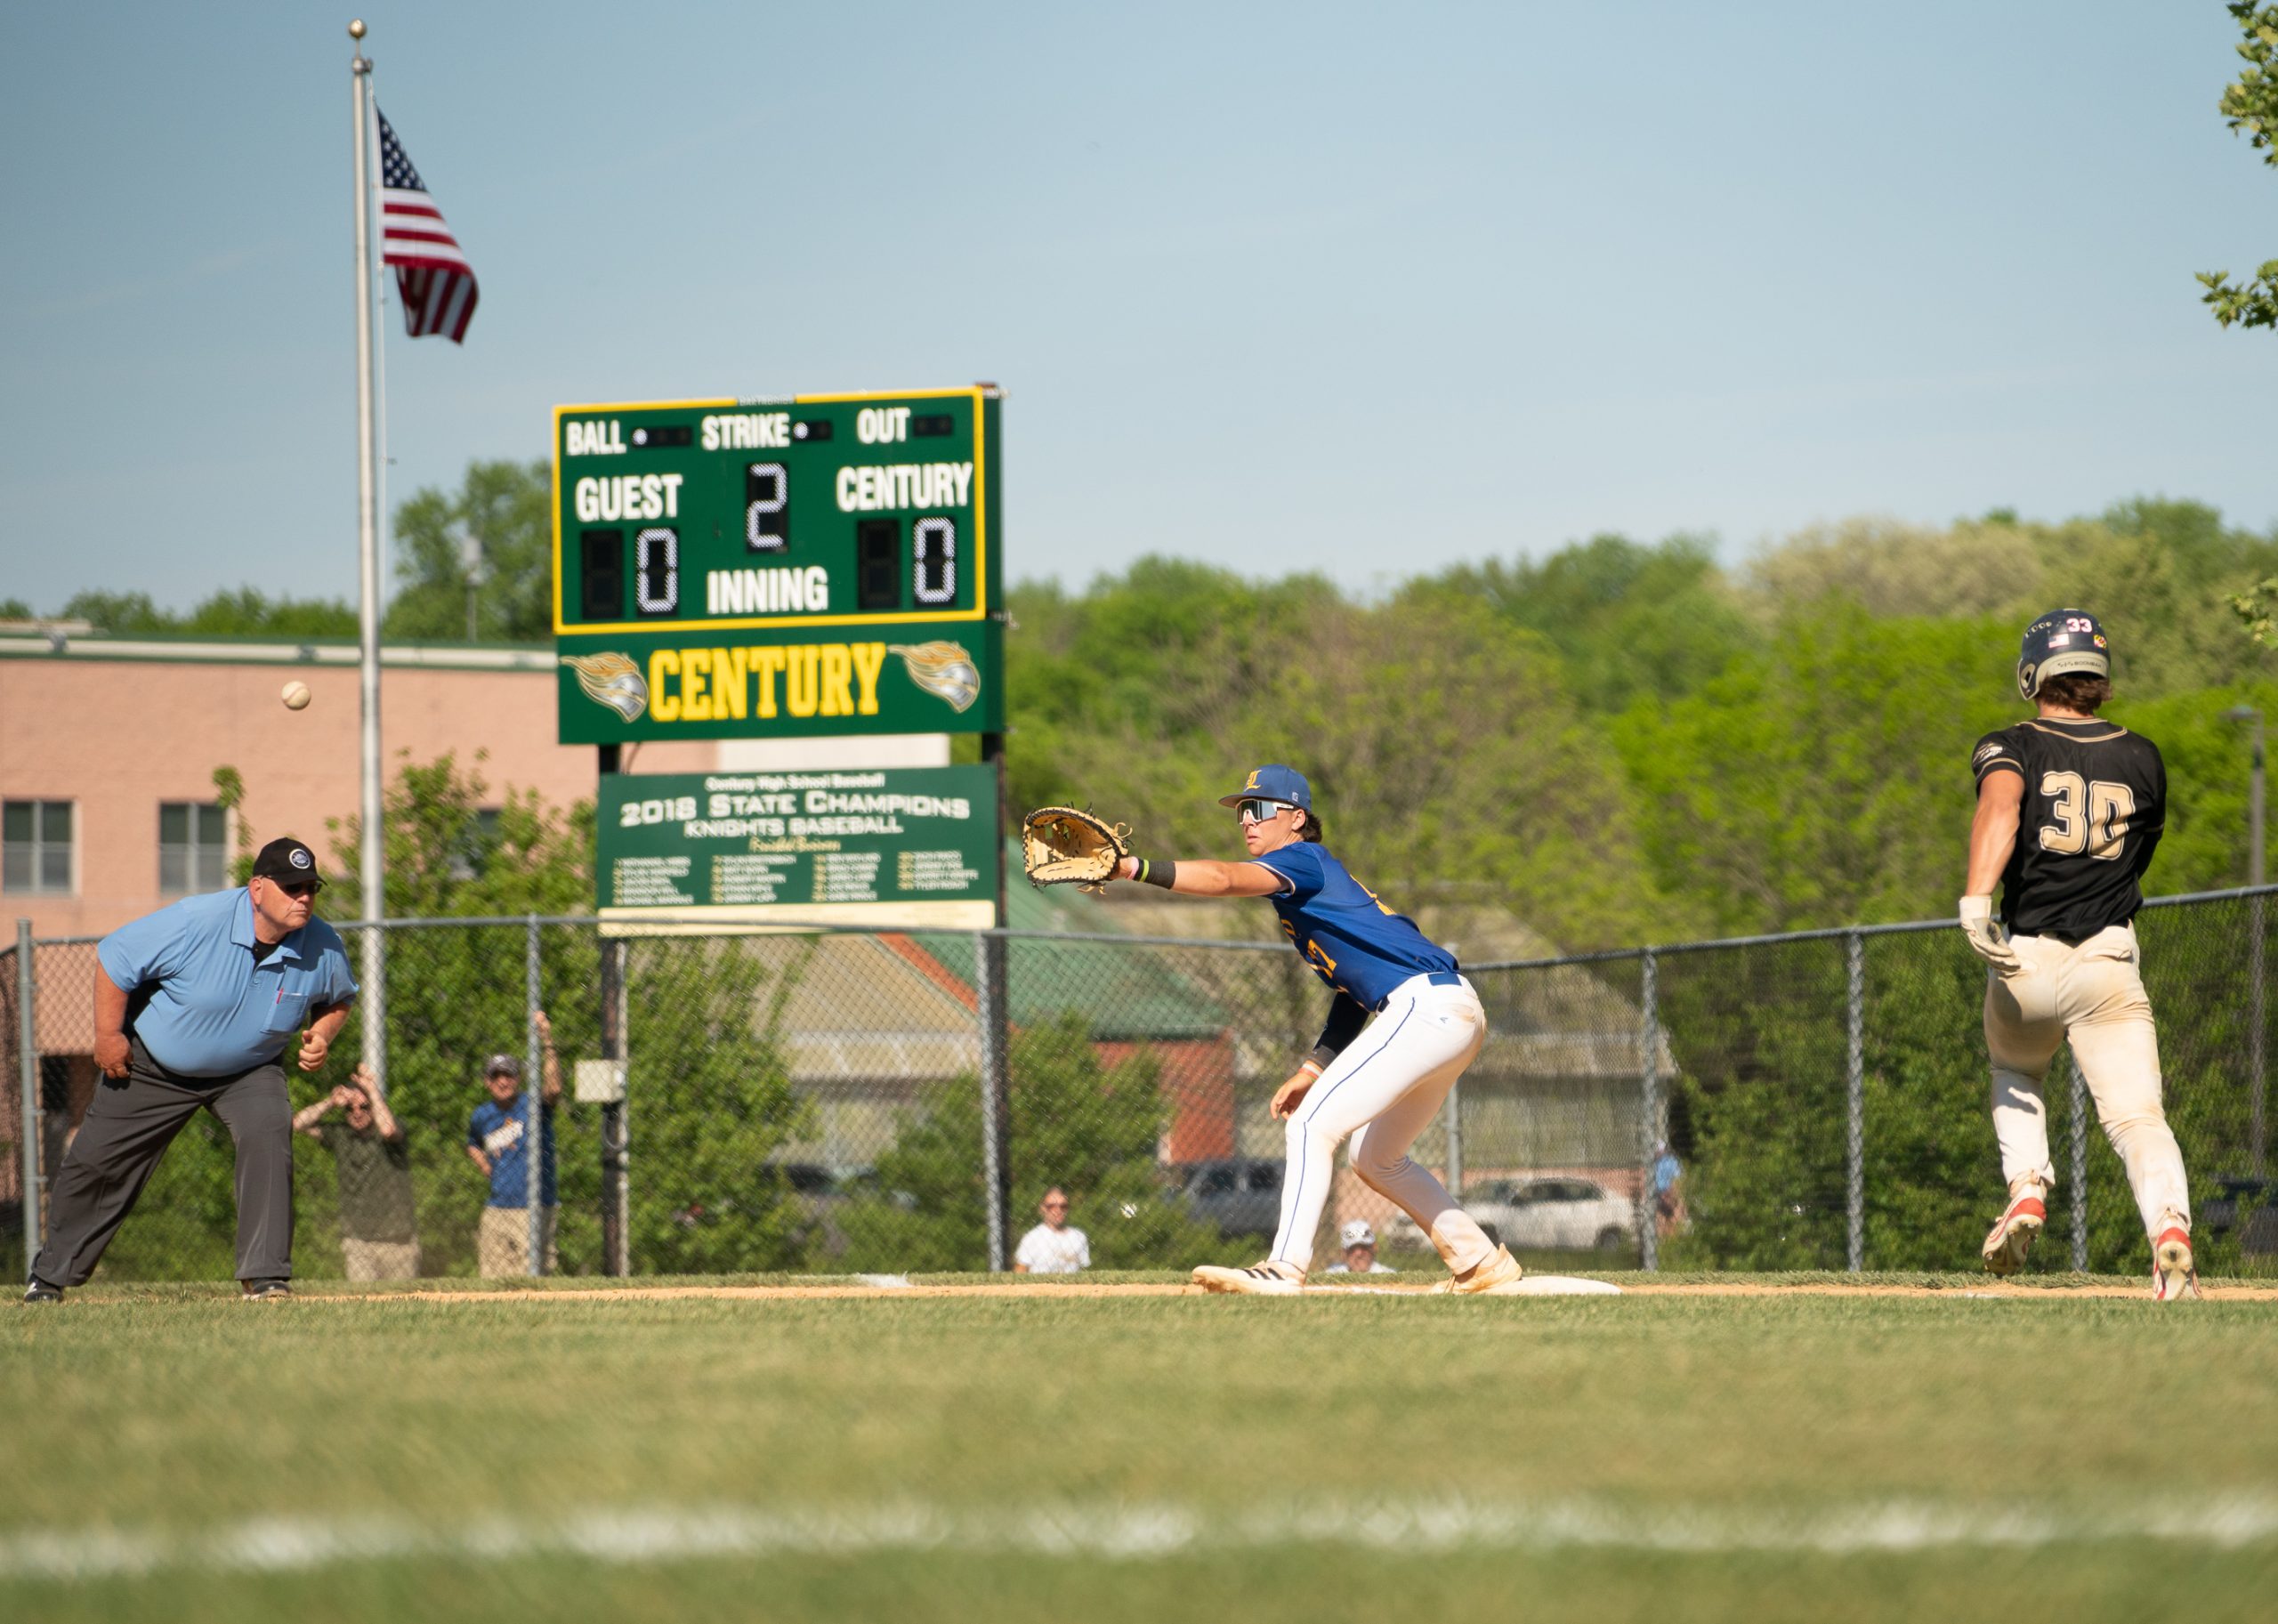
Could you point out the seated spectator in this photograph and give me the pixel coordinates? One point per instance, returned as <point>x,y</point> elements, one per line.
<point>1053,1246</point>
<point>1360,1257</point>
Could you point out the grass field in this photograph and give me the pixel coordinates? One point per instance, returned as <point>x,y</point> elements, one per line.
<point>169,1453</point>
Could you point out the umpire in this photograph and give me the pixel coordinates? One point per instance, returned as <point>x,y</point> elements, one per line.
<point>194,1007</point>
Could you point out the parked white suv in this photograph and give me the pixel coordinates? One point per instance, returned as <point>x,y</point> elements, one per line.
<point>1563,1212</point>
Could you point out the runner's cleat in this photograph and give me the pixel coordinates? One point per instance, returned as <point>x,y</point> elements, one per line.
<point>1501,1270</point>
<point>2173,1277</point>
<point>1268,1278</point>
<point>2012,1238</point>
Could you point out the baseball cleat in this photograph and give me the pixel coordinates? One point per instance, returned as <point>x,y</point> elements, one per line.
<point>37,1290</point>
<point>264,1291</point>
<point>1501,1270</point>
<point>1268,1278</point>
<point>2173,1277</point>
<point>2008,1241</point>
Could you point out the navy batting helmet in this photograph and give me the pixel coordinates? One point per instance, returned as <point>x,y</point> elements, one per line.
<point>2063,640</point>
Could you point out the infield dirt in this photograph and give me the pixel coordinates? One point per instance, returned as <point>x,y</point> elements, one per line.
<point>1630,1286</point>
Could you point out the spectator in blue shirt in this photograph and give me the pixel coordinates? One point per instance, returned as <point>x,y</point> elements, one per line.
<point>193,1011</point>
<point>497,1140</point>
<point>1668,1201</point>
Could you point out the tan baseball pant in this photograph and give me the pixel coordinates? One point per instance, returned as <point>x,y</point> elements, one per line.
<point>502,1244</point>
<point>2092,995</point>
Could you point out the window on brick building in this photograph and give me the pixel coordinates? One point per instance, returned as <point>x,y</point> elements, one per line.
<point>193,847</point>
<point>35,847</point>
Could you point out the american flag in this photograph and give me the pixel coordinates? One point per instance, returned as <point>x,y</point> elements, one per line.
<point>431,275</point>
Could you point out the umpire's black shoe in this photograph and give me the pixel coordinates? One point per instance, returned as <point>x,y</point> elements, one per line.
<point>267,1291</point>
<point>37,1290</point>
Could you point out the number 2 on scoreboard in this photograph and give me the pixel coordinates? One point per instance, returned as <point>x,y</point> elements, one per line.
<point>932,544</point>
<point>767,502</point>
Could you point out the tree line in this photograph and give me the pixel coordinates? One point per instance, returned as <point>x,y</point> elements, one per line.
<point>1628,742</point>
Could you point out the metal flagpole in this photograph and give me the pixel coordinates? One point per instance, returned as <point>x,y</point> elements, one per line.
<point>28,1129</point>
<point>372,998</point>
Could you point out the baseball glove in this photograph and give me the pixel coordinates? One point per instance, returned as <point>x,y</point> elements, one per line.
<point>1060,845</point>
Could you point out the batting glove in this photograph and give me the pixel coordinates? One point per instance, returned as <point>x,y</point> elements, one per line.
<point>1989,938</point>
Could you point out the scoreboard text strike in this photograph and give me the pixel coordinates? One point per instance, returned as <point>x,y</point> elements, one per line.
<point>808,566</point>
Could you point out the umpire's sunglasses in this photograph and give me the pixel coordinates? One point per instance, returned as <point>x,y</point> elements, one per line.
<point>1259,811</point>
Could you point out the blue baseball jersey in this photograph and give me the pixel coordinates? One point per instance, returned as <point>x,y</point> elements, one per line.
<point>1353,942</point>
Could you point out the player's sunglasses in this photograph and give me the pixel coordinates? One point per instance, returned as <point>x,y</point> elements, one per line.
<point>1259,811</point>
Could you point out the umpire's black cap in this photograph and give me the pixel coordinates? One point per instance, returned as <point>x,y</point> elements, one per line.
<point>288,862</point>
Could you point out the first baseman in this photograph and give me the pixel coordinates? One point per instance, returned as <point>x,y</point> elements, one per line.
<point>1378,1085</point>
<point>2070,810</point>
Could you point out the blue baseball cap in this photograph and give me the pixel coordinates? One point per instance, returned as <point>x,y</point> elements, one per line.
<point>1273,783</point>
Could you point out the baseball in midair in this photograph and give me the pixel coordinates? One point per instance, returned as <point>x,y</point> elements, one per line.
<point>295,695</point>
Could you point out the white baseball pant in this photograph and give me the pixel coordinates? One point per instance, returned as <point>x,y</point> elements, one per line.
<point>1381,1092</point>
<point>2093,995</point>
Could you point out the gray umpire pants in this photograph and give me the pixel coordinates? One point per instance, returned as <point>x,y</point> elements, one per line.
<point>128,1127</point>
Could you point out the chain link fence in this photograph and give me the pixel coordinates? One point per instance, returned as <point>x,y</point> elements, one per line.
<point>1822,1098</point>
<point>842,1102</point>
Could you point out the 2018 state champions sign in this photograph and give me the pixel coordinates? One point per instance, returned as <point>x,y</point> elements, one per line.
<point>809,566</point>
<point>912,848</point>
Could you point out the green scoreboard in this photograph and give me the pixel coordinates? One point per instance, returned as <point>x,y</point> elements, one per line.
<point>800,567</point>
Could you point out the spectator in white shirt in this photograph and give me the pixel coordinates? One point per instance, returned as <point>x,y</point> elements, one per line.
<point>1052,1246</point>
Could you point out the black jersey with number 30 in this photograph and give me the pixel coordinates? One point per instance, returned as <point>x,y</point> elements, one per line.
<point>2095,804</point>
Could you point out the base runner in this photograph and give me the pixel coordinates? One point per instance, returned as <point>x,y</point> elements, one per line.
<point>2070,810</point>
<point>1377,1082</point>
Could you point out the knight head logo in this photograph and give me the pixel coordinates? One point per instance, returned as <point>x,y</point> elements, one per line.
<point>612,680</point>
<point>942,669</point>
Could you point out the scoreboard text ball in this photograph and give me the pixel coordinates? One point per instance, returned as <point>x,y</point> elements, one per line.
<point>817,510</point>
<point>745,567</point>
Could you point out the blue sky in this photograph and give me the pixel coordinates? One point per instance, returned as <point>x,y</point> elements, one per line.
<point>1364,289</point>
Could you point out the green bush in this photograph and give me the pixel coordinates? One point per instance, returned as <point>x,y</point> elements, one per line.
<point>1076,1124</point>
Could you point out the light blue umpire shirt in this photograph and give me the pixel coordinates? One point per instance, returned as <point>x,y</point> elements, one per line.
<point>212,1011</point>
